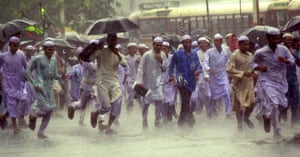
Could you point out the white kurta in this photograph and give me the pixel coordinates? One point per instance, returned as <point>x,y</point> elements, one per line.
<point>132,68</point>
<point>203,85</point>
<point>169,89</point>
<point>150,74</point>
<point>217,61</point>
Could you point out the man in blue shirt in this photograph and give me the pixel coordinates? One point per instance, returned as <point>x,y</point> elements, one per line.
<point>188,69</point>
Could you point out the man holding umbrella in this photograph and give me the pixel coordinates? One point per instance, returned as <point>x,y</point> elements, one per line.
<point>109,90</point>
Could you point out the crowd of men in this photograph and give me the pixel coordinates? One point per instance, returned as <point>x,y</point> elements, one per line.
<point>204,74</point>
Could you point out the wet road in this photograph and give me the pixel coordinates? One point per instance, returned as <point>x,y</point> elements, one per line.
<point>209,138</point>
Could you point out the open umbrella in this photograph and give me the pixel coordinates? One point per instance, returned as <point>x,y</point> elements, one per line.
<point>26,42</point>
<point>1,33</point>
<point>120,39</point>
<point>58,42</point>
<point>257,34</point>
<point>173,39</point>
<point>14,26</point>
<point>292,25</point>
<point>75,39</point>
<point>111,25</point>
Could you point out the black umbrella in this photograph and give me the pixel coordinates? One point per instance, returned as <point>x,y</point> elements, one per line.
<point>292,25</point>
<point>111,25</point>
<point>14,26</point>
<point>257,34</point>
<point>120,39</point>
<point>26,42</point>
<point>173,39</point>
<point>1,33</point>
<point>58,42</point>
<point>75,39</point>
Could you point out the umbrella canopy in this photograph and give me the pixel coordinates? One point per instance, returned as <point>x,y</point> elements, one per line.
<point>292,25</point>
<point>111,25</point>
<point>75,39</point>
<point>59,42</point>
<point>1,33</point>
<point>257,34</point>
<point>15,26</point>
<point>120,39</point>
<point>173,39</point>
<point>26,42</point>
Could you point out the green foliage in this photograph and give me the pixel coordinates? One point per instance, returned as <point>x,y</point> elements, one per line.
<point>77,12</point>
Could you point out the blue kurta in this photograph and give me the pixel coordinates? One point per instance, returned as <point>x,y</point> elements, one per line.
<point>186,64</point>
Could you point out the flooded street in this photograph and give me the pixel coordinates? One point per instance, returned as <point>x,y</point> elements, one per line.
<point>210,138</point>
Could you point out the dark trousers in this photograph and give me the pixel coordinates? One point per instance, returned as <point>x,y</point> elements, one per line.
<point>186,116</point>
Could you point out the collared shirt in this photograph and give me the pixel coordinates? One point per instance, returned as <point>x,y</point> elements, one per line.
<point>186,64</point>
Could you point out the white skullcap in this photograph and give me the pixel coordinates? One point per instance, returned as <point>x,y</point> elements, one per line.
<point>218,36</point>
<point>118,46</point>
<point>132,44</point>
<point>243,38</point>
<point>203,39</point>
<point>273,31</point>
<point>142,45</point>
<point>14,39</point>
<point>79,50</point>
<point>194,43</point>
<point>94,41</point>
<point>48,44</point>
<point>179,46</point>
<point>158,39</point>
<point>29,48</point>
<point>165,43</point>
<point>228,35</point>
<point>288,35</point>
<point>186,37</point>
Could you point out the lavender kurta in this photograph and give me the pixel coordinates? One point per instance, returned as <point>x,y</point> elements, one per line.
<point>273,83</point>
<point>46,71</point>
<point>217,61</point>
<point>75,76</point>
<point>13,66</point>
<point>89,77</point>
<point>87,84</point>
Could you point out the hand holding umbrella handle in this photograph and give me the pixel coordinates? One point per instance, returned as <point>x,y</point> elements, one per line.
<point>115,51</point>
<point>87,52</point>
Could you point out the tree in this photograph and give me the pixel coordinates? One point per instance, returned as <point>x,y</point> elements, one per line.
<point>88,10</point>
<point>77,13</point>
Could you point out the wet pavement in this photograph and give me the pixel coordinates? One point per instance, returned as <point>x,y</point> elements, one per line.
<point>216,137</point>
